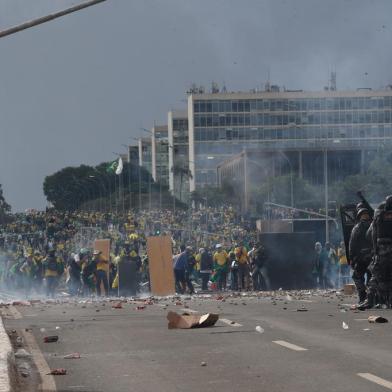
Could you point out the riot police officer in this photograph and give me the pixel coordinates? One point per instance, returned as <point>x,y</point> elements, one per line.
<point>380,233</point>
<point>360,251</point>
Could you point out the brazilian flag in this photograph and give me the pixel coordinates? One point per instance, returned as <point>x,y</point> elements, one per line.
<point>112,167</point>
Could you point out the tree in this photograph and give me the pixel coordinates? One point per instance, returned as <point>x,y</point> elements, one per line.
<point>5,208</point>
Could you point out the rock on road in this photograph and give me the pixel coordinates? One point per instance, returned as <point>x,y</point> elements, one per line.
<point>300,345</point>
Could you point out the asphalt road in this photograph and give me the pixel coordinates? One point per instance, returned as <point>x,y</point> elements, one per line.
<point>132,350</point>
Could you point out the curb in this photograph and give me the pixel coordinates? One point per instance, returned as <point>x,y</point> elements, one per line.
<point>6,360</point>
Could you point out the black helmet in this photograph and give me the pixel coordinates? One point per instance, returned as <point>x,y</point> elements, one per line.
<point>361,212</point>
<point>360,206</point>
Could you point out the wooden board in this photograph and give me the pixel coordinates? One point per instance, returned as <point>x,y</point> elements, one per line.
<point>104,247</point>
<point>160,260</point>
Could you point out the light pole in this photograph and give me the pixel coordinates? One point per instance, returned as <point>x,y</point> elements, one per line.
<point>326,194</point>
<point>129,177</point>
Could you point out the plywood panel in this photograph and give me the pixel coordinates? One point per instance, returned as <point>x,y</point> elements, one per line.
<point>160,259</point>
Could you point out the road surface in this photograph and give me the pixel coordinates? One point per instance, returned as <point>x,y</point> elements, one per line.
<point>301,345</point>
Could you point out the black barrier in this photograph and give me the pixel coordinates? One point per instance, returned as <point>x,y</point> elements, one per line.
<point>290,259</point>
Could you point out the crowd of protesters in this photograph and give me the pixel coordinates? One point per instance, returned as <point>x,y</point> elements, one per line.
<point>214,249</point>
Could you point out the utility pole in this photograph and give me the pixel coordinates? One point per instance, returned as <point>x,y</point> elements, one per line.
<point>48,18</point>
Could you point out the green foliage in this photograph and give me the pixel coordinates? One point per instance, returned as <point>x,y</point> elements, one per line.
<point>72,187</point>
<point>5,208</point>
<point>214,196</point>
<point>375,182</point>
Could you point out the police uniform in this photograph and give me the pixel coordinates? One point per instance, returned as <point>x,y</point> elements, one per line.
<point>360,251</point>
<point>380,232</point>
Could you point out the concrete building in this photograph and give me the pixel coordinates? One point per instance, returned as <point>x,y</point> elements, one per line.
<point>160,154</point>
<point>178,153</point>
<point>300,128</point>
<point>145,153</point>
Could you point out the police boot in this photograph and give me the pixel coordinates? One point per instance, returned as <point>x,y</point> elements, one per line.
<point>368,303</point>
<point>362,297</point>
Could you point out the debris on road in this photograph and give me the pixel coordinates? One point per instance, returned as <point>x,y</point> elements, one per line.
<point>303,309</point>
<point>58,372</point>
<point>188,321</point>
<point>140,307</point>
<point>117,306</point>
<point>22,353</point>
<point>344,325</point>
<point>377,319</point>
<point>51,339</point>
<point>203,364</point>
<point>72,356</point>
<point>259,329</point>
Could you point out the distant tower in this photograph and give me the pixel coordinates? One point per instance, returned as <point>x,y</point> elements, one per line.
<point>333,81</point>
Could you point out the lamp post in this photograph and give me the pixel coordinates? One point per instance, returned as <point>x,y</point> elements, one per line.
<point>129,177</point>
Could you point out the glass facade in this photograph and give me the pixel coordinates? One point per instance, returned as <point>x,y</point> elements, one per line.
<point>224,127</point>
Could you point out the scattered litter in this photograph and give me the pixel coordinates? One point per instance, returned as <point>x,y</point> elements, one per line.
<point>289,297</point>
<point>22,353</point>
<point>259,329</point>
<point>344,325</point>
<point>58,372</point>
<point>19,341</point>
<point>203,364</point>
<point>51,339</point>
<point>72,356</point>
<point>366,329</point>
<point>377,319</point>
<point>302,309</point>
<point>179,303</point>
<point>187,321</point>
<point>140,307</point>
<point>117,306</point>
<point>58,328</point>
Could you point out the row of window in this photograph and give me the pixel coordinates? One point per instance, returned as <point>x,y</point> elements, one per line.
<point>266,119</point>
<point>346,132</point>
<point>180,124</point>
<point>298,104</point>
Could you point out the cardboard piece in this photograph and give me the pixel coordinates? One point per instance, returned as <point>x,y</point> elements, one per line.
<point>104,247</point>
<point>160,261</point>
<point>349,289</point>
<point>188,321</point>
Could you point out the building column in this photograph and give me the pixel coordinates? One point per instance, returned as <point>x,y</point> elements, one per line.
<point>300,169</point>
<point>362,168</point>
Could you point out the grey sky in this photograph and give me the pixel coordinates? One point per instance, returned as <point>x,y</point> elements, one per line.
<point>73,90</point>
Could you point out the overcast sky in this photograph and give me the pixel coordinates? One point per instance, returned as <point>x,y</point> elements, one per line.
<point>75,89</point>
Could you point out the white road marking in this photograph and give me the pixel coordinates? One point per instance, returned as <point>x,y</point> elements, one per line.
<point>376,380</point>
<point>231,323</point>
<point>189,310</point>
<point>289,345</point>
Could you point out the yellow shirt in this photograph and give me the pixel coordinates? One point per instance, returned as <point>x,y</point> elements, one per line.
<point>221,257</point>
<point>342,256</point>
<point>241,254</point>
<point>101,264</point>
